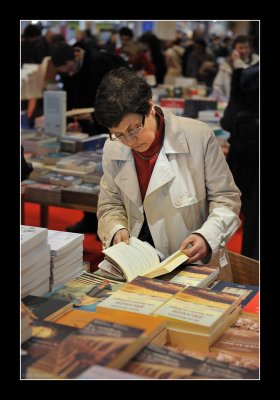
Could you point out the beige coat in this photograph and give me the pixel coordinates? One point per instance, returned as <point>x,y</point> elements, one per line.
<point>191,190</point>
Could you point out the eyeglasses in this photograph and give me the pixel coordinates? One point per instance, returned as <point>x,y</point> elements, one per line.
<point>121,137</point>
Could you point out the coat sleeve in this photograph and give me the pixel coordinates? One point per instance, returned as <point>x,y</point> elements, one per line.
<point>111,213</point>
<point>223,197</point>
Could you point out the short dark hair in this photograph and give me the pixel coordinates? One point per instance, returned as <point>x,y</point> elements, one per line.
<point>121,92</point>
<point>125,31</point>
<point>241,39</point>
<point>61,53</point>
<point>31,31</point>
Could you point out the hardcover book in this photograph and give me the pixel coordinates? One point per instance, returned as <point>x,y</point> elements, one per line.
<point>127,261</point>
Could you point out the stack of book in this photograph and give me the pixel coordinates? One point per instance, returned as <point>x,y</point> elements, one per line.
<point>53,158</point>
<point>85,193</point>
<point>101,342</point>
<point>142,296</point>
<point>55,178</point>
<point>154,362</point>
<point>197,317</point>
<point>91,143</point>
<point>46,336</point>
<point>77,163</point>
<point>192,275</point>
<point>66,256</point>
<point>35,261</point>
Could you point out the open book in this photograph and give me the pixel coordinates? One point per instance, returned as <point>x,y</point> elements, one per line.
<point>126,262</point>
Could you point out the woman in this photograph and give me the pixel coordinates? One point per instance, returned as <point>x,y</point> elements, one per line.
<point>165,178</point>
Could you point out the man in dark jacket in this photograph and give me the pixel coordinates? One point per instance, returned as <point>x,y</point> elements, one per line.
<point>81,72</point>
<point>241,119</point>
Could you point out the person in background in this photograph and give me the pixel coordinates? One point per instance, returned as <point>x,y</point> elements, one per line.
<point>81,72</point>
<point>173,60</point>
<point>241,119</point>
<point>126,36</point>
<point>241,56</point>
<point>166,180</point>
<point>154,46</point>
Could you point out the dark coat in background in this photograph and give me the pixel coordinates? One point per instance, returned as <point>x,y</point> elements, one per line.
<point>241,119</point>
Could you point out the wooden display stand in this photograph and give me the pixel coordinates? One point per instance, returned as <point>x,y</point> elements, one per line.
<point>245,270</point>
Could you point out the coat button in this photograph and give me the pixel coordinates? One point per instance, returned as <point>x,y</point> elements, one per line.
<point>178,201</point>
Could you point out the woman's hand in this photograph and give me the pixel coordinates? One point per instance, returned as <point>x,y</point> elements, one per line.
<point>195,247</point>
<point>121,236</point>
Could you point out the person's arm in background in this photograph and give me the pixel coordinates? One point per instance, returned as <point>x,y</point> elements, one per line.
<point>249,79</point>
<point>26,167</point>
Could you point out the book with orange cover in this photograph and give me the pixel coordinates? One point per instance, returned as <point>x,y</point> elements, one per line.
<point>152,326</point>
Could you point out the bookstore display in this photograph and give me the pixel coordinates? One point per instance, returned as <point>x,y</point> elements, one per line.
<point>183,324</point>
<point>138,316</point>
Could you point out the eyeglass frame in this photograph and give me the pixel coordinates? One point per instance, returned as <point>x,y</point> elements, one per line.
<point>130,134</point>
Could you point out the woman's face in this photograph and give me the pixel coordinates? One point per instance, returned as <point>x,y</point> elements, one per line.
<point>135,131</point>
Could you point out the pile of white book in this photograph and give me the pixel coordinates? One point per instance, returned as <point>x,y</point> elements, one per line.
<point>66,256</point>
<point>35,261</point>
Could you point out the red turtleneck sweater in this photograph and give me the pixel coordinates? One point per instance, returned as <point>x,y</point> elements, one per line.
<point>145,168</point>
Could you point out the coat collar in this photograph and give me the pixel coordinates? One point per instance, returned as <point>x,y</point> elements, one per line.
<point>174,139</point>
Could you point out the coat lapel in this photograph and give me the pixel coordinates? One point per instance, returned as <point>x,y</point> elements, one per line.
<point>127,181</point>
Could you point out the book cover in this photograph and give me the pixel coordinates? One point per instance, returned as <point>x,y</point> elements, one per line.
<point>214,369</point>
<point>156,362</point>
<point>193,275</point>
<point>47,309</point>
<point>45,337</point>
<point>246,291</point>
<point>101,343</point>
<point>141,295</point>
<point>197,309</point>
<point>138,258</point>
<point>252,308</point>
<point>240,341</point>
<point>85,291</point>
